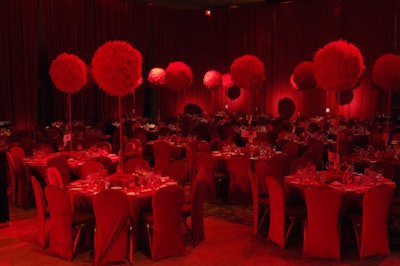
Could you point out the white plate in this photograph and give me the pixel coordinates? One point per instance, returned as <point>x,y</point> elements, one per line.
<point>132,193</point>
<point>116,188</point>
<point>75,188</point>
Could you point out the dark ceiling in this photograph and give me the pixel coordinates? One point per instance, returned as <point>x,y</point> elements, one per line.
<point>204,4</point>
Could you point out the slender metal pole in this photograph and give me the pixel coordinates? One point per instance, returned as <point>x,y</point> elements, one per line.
<point>70,119</point>
<point>120,134</point>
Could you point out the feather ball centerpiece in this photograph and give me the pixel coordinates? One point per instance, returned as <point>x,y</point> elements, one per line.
<point>247,72</point>
<point>117,68</point>
<point>338,66</point>
<point>178,76</point>
<point>303,76</point>
<point>212,79</point>
<point>68,73</point>
<point>226,81</point>
<point>156,76</point>
<point>386,72</point>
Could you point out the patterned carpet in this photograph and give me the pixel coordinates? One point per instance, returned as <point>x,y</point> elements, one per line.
<point>231,213</point>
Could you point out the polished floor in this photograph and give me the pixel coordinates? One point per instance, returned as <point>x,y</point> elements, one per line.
<point>227,243</point>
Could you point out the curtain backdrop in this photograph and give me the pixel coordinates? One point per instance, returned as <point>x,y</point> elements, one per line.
<point>33,33</point>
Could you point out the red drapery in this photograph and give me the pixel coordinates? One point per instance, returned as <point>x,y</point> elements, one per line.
<point>280,35</point>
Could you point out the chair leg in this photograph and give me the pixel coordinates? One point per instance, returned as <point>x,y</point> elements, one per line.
<point>77,236</point>
<point>149,238</point>
<point>130,244</point>
<point>262,220</point>
<point>288,230</point>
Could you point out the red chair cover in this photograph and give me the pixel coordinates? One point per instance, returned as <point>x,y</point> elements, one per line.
<point>91,167</point>
<point>321,231</point>
<point>17,151</point>
<point>204,161</point>
<point>179,171</point>
<point>42,214</point>
<point>257,203</point>
<point>261,170</point>
<point>22,182</point>
<point>53,177</point>
<point>162,154</point>
<point>195,208</point>
<point>191,164</point>
<point>12,176</point>
<point>204,146</point>
<point>111,210</point>
<point>65,225</point>
<point>279,166</point>
<point>374,231</point>
<point>106,162</point>
<point>239,185</point>
<point>63,168</point>
<point>131,165</point>
<point>167,238</point>
<point>277,232</point>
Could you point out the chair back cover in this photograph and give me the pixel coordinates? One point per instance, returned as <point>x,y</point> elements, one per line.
<point>162,155</point>
<point>255,200</point>
<point>279,166</point>
<point>374,232</point>
<point>167,240</point>
<point>197,208</point>
<point>205,162</point>
<point>41,211</point>
<point>13,178</point>
<point>60,222</point>
<point>22,182</point>
<point>204,146</point>
<point>179,171</point>
<point>261,170</point>
<point>321,231</point>
<point>111,210</point>
<point>91,167</point>
<point>131,165</point>
<point>17,151</point>
<point>106,162</point>
<point>53,177</point>
<point>276,231</point>
<point>190,159</point>
<point>63,168</point>
<point>239,185</point>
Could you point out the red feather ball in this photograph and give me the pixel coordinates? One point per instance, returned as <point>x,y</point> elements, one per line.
<point>227,81</point>
<point>117,67</point>
<point>178,76</point>
<point>386,72</point>
<point>68,73</point>
<point>338,66</point>
<point>247,72</point>
<point>303,76</point>
<point>212,80</point>
<point>156,76</point>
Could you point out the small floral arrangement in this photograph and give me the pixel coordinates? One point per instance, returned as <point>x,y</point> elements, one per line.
<point>212,79</point>
<point>338,66</point>
<point>156,76</point>
<point>68,73</point>
<point>178,76</point>
<point>226,81</point>
<point>117,68</point>
<point>386,72</point>
<point>247,72</point>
